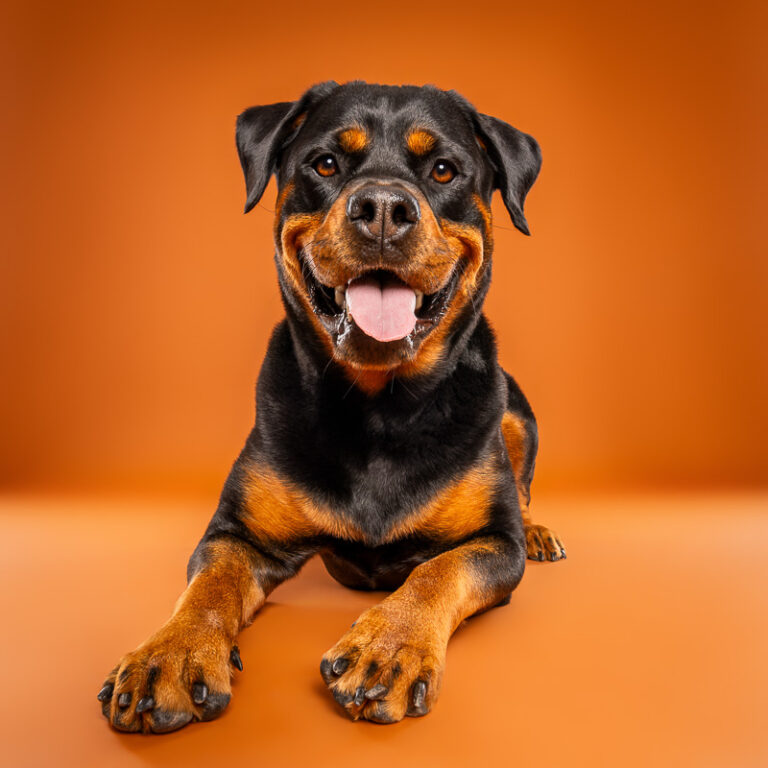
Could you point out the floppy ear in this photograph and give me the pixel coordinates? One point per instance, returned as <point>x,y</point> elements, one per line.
<point>516,158</point>
<point>262,132</point>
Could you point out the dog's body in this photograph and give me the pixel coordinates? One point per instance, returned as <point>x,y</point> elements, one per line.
<point>387,437</point>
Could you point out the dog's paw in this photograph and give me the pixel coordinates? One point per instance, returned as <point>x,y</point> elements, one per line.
<point>543,544</point>
<point>385,667</point>
<point>180,674</point>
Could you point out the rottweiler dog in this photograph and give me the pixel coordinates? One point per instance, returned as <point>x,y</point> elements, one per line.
<point>387,439</point>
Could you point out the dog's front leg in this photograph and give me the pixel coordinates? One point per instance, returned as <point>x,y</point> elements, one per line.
<point>390,663</point>
<point>182,672</point>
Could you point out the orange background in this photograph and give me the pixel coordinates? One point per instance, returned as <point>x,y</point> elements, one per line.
<point>135,306</point>
<point>137,299</point>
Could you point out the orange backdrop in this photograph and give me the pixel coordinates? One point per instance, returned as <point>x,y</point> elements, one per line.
<point>137,299</point>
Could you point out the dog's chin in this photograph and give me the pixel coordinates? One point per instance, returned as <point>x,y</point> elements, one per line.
<point>353,346</point>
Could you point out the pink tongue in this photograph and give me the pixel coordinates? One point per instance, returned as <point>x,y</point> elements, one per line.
<point>383,311</point>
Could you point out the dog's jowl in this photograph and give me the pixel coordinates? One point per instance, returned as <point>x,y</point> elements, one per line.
<point>387,439</point>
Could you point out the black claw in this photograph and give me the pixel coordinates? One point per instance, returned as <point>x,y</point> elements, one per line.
<point>359,695</point>
<point>340,666</point>
<point>419,694</point>
<point>376,692</point>
<point>326,670</point>
<point>540,556</point>
<point>199,693</point>
<point>234,657</point>
<point>553,556</point>
<point>123,700</point>
<point>562,554</point>
<point>145,704</point>
<point>105,694</point>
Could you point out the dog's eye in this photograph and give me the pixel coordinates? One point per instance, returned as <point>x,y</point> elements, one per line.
<point>326,165</point>
<point>443,171</point>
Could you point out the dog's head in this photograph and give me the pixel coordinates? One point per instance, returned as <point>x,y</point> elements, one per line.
<point>383,224</point>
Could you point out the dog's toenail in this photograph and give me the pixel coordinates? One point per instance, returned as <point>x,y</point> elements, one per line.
<point>340,666</point>
<point>234,657</point>
<point>105,694</point>
<point>376,692</point>
<point>419,693</point>
<point>199,693</point>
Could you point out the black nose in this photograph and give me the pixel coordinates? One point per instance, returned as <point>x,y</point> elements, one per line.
<point>382,211</point>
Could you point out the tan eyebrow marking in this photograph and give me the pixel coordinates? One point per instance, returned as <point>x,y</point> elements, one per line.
<point>420,142</point>
<point>353,139</point>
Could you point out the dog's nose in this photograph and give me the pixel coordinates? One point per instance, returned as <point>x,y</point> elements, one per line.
<point>383,211</point>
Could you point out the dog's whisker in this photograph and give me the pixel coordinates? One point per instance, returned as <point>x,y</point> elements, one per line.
<point>327,366</point>
<point>351,387</point>
<point>407,389</point>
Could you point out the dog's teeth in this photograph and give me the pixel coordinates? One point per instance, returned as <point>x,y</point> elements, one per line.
<point>340,294</point>
<point>419,300</point>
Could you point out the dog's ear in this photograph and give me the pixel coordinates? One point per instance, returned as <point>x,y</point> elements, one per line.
<point>263,132</point>
<point>516,159</point>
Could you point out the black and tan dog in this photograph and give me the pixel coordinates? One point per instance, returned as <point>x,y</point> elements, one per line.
<point>387,437</point>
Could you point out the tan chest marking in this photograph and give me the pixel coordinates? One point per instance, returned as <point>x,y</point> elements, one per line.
<point>276,511</point>
<point>457,511</point>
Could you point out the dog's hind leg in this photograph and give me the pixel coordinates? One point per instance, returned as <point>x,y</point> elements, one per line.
<point>518,426</point>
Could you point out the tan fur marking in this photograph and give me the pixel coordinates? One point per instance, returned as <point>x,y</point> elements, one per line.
<point>513,430</point>
<point>485,212</point>
<point>457,511</point>
<point>420,142</point>
<point>469,244</point>
<point>285,193</point>
<point>279,512</point>
<point>354,139</point>
<point>299,229</point>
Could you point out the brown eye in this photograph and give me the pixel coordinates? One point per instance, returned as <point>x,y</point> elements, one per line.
<point>443,171</point>
<point>326,165</point>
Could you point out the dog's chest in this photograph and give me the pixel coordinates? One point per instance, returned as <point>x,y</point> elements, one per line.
<point>385,502</point>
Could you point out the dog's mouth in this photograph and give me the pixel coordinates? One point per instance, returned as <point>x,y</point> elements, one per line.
<point>379,303</point>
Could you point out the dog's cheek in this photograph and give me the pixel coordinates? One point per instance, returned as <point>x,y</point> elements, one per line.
<point>466,244</point>
<point>282,198</point>
<point>484,210</point>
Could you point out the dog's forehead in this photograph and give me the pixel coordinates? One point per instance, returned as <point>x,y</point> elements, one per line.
<point>389,113</point>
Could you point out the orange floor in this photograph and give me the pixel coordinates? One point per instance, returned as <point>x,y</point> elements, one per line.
<point>647,647</point>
